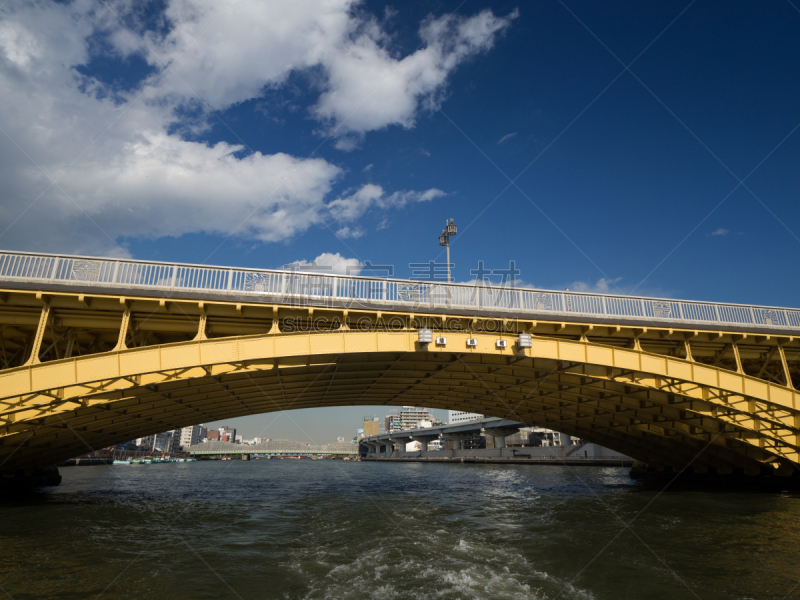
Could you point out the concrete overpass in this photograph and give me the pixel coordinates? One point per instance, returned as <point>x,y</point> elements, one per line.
<point>498,428</point>
<point>383,446</point>
<point>99,351</point>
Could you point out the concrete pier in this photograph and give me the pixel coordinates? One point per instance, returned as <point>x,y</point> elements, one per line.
<point>572,454</point>
<point>46,477</point>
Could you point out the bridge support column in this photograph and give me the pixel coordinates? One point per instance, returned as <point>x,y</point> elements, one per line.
<point>374,447</point>
<point>737,357</point>
<point>37,338</point>
<point>687,348</point>
<point>47,477</point>
<point>424,440</point>
<point>70,345</point>
<point>499,434</point>
<point>201,328</point>
<point>456,439</point>
<point>123,328</point>
<point>401,442</point>
<point>785,365</point>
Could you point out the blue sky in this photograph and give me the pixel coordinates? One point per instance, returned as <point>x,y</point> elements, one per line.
<point>260,134</point>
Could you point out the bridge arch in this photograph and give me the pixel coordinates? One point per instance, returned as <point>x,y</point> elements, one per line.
<point>661,409</point>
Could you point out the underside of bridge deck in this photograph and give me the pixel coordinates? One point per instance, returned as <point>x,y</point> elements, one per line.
<point>84,372</point>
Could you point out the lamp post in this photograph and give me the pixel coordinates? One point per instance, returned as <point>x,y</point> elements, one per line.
<point>444,240</point>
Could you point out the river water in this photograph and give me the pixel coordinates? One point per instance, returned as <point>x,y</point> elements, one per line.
<point>334,529</point>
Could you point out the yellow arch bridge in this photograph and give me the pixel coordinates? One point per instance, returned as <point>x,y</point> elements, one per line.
<point>100,351</point>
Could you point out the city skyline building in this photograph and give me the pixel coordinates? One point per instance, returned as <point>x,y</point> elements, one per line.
<point>159,442</point>
<point>191,435</point>
<point>412,417</point>
<point>372,426</point>
<point>389,423</point>
<point>227,434</point>
<point>459,416</point>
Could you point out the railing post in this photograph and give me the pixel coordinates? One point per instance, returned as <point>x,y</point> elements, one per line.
<point>716,313</point>
<point>55,268</point>
<point>174,276</point>
<point>230,280</point>
<point>116,272</point>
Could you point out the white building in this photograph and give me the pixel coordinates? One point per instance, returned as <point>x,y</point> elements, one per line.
<point>550,437</point>
<point>190,435</point>
<point>454,417</point>
<point>412,417</point>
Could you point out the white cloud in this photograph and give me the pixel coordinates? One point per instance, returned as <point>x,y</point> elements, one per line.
<point>369,89</point>
<point>506,137</point>
<point>242,46</point>
<point>364,86</point>
<point>350,208</point>
<point>496,281</point>
<point>603,285</point>
<point>606,285</point>
<point>720,231</point>
<point>349,232</point>
<point>121,168</point>
<point>329,263</point>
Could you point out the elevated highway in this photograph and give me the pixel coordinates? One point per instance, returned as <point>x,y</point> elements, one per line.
<point>500,428</point>
<point>99,351</point>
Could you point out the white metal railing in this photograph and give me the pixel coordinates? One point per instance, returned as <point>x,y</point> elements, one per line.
<point>353,291</point>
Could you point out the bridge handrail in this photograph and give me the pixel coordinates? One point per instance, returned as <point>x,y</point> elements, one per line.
<point>294,286</point>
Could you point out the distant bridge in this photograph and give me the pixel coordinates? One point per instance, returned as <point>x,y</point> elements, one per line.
<point>99,351</point>
<point>273,449</point>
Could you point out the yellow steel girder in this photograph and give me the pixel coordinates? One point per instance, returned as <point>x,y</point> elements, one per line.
<point>45,408</point>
